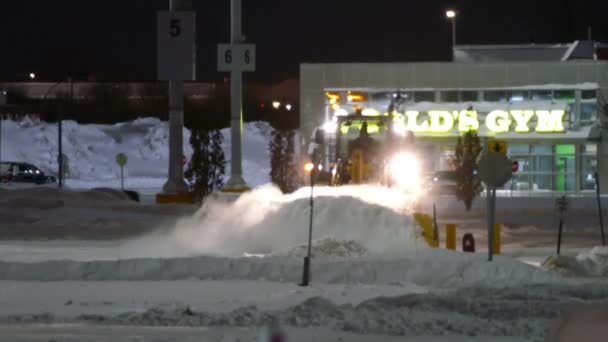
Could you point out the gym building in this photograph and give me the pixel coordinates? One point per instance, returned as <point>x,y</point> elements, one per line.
<point>547,102</point>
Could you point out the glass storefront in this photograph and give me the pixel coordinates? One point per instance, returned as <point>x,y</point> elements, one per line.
<point>553,167</point>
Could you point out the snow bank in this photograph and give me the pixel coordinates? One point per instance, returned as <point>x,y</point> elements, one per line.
<point>50,213</point>
<point>50,198</point>
<point>91,150</point>
<point>592,263</point>
<point>434,268</point>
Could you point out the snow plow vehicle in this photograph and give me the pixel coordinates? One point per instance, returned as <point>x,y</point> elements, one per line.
<point>365,148</point>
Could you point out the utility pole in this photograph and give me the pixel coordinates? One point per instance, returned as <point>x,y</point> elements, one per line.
<point>176,183</point>
<point>236,183</point>
<point>176,64</point>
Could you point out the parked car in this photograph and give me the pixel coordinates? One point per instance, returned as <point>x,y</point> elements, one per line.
<point>443,182</point>
<point>23,173</point>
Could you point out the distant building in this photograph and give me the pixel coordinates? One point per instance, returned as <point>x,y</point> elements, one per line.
<point>548,102</point>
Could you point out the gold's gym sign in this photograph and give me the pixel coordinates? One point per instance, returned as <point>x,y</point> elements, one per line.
<point>496,121</point>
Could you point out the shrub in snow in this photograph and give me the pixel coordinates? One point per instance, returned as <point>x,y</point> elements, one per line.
<point>205,171</point>
<point>467,151</point>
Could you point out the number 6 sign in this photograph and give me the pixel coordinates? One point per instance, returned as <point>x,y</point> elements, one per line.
<point>235,57</point>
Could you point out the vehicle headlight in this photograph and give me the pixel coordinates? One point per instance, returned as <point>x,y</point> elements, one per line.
<point>405,170</point>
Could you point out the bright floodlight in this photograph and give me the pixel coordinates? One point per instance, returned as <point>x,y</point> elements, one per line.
<point>330,127</point>
<point>399,128</point>
<point>309,166</point>
<point>32,75</point>
<point>405,171</point>
<point>288,106</point>
<point>450,14</point>
<point>276,104</point>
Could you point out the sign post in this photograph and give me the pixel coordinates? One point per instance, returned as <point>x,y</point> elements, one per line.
<point>176,63</point>
<point>562,205</point>
<point>121,160</point>
<point>236,57</point>
<point>494,170</point>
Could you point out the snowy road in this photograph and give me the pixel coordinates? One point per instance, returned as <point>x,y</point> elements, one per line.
<point>92,333</point>
<point>233,308</point>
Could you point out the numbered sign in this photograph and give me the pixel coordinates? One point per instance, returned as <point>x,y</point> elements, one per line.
<point>235,57</point>
<point>176,53</point>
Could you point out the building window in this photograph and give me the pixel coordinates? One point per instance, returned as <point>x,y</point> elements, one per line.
<point>548,167</point>
<point>588,111</point>
<point>449,96</point>
<point>468,96</point>
<point>495,96</point>
<point>589,94</point>
<point>541,95</point>
<point>518,95</point>
<point>564,95</point>
<point>588,166</point>
<point>424,96</point>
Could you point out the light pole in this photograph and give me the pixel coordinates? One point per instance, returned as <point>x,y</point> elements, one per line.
<point>451,15</point>
<point>60,128</point>
<point>310,168</point>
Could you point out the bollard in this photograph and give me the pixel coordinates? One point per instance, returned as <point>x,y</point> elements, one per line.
<point>450,236</point>
<point>468,243</point>
<point>496,239</point>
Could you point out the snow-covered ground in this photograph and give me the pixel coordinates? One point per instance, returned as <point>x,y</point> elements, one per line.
<point>232,267</point>
<point>122,270</point>
<point>91,151</point>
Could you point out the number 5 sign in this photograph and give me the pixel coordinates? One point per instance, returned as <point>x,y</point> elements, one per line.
<point>236,57</point>
<point>175,45</point>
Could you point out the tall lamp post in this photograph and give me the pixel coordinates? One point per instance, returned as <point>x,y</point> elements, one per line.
<point>59,128</point>
<point>317,141</point>
<point>451,15</point>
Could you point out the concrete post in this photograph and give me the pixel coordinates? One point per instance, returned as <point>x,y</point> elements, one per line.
<point>236,183</point>
<point>176,183</point>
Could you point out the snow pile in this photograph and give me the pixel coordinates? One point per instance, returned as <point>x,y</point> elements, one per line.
<point>327,247</point>
<point>264,220</point>
<point>91,150</point>
<point>433,268</point>
<point>592,263</point>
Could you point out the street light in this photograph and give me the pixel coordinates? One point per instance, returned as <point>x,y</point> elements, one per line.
<point>451,14</point>
<point>317,139</point>
<point>59,127</point>
<point>32,75</point>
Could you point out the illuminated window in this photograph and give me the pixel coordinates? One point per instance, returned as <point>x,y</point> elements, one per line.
<point>541,95</point>
<point>518,95</point>
<point>563,95</point>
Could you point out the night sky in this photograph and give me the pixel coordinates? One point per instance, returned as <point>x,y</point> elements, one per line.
<point>116,39</point>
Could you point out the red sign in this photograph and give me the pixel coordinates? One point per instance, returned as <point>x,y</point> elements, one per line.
<point>514,166</point>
